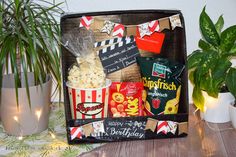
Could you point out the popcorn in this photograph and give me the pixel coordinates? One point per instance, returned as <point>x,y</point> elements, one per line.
<point>87,73</point>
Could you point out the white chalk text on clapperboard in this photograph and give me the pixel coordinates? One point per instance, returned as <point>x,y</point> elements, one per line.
<point>120,57</point>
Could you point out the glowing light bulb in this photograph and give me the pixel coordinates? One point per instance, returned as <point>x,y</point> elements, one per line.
<point>52,135</point>
<point>15,118</point>
<point>20,138</point>
<point>38,113</point>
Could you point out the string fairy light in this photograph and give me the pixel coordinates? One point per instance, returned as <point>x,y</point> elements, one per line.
<point>38,113</point>
<point>18,123</point>
<point>20,138</point>
<point>52,134</point>
<point>16,118</point>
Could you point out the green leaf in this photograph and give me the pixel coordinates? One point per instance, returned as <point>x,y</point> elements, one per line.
<point>203,64</point>
<point>204,83</point>
<point>1,22</point>
<point>221,67</point>
<point>231,81</point>
<point>16,3</point>
<point>233,50</point>
<point>198,75</point>
<point>219,24</point>
<point>24,66</point>
<point>210,73</point>
<point>195,58</point>
<point>213,81</point>
<point>212,88</point>
<point>228,38</point>
<point>191,76</point>
<point>205,46</point>
<point>208,29</point>
<point>15,70</point>
<point>198,98</point>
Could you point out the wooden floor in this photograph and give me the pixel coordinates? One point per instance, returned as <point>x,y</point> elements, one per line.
<point>218,140</point>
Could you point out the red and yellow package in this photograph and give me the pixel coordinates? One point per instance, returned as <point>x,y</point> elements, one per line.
<point>125,99</point>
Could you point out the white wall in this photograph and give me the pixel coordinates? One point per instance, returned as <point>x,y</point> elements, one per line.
<point>190,8</point>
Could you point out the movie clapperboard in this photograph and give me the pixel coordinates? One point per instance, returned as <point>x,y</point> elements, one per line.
<point>120,53</point>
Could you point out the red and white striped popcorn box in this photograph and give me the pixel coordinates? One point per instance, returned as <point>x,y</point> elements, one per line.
<point>89,103</point>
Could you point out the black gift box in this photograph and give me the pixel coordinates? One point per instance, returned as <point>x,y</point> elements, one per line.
<point>130,128</point>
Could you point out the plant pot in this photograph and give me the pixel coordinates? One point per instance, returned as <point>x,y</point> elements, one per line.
<point>25,121</point>
<point>217,109</point>
<point>232,114</point>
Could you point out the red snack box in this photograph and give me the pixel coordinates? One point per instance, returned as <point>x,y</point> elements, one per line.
<point>152,43</point>
<point>125,99</point>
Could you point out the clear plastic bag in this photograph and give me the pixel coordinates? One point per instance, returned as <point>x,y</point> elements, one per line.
<point>87,72</point>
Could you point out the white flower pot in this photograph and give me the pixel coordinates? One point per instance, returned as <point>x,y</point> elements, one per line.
<point>217,109</point>
<point>25,121</point>
<point>232,114</point>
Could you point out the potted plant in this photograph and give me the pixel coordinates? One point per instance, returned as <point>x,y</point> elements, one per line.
<point>29,61</point>
<point>232,88</point>
<point>210,69</point>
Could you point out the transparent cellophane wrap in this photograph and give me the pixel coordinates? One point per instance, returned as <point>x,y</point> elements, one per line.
<point>87,72</point>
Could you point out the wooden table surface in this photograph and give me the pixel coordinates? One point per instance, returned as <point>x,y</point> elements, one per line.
<point>204,139</point>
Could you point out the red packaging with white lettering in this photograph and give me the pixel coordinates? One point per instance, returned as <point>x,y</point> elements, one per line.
<point>125,99</point>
